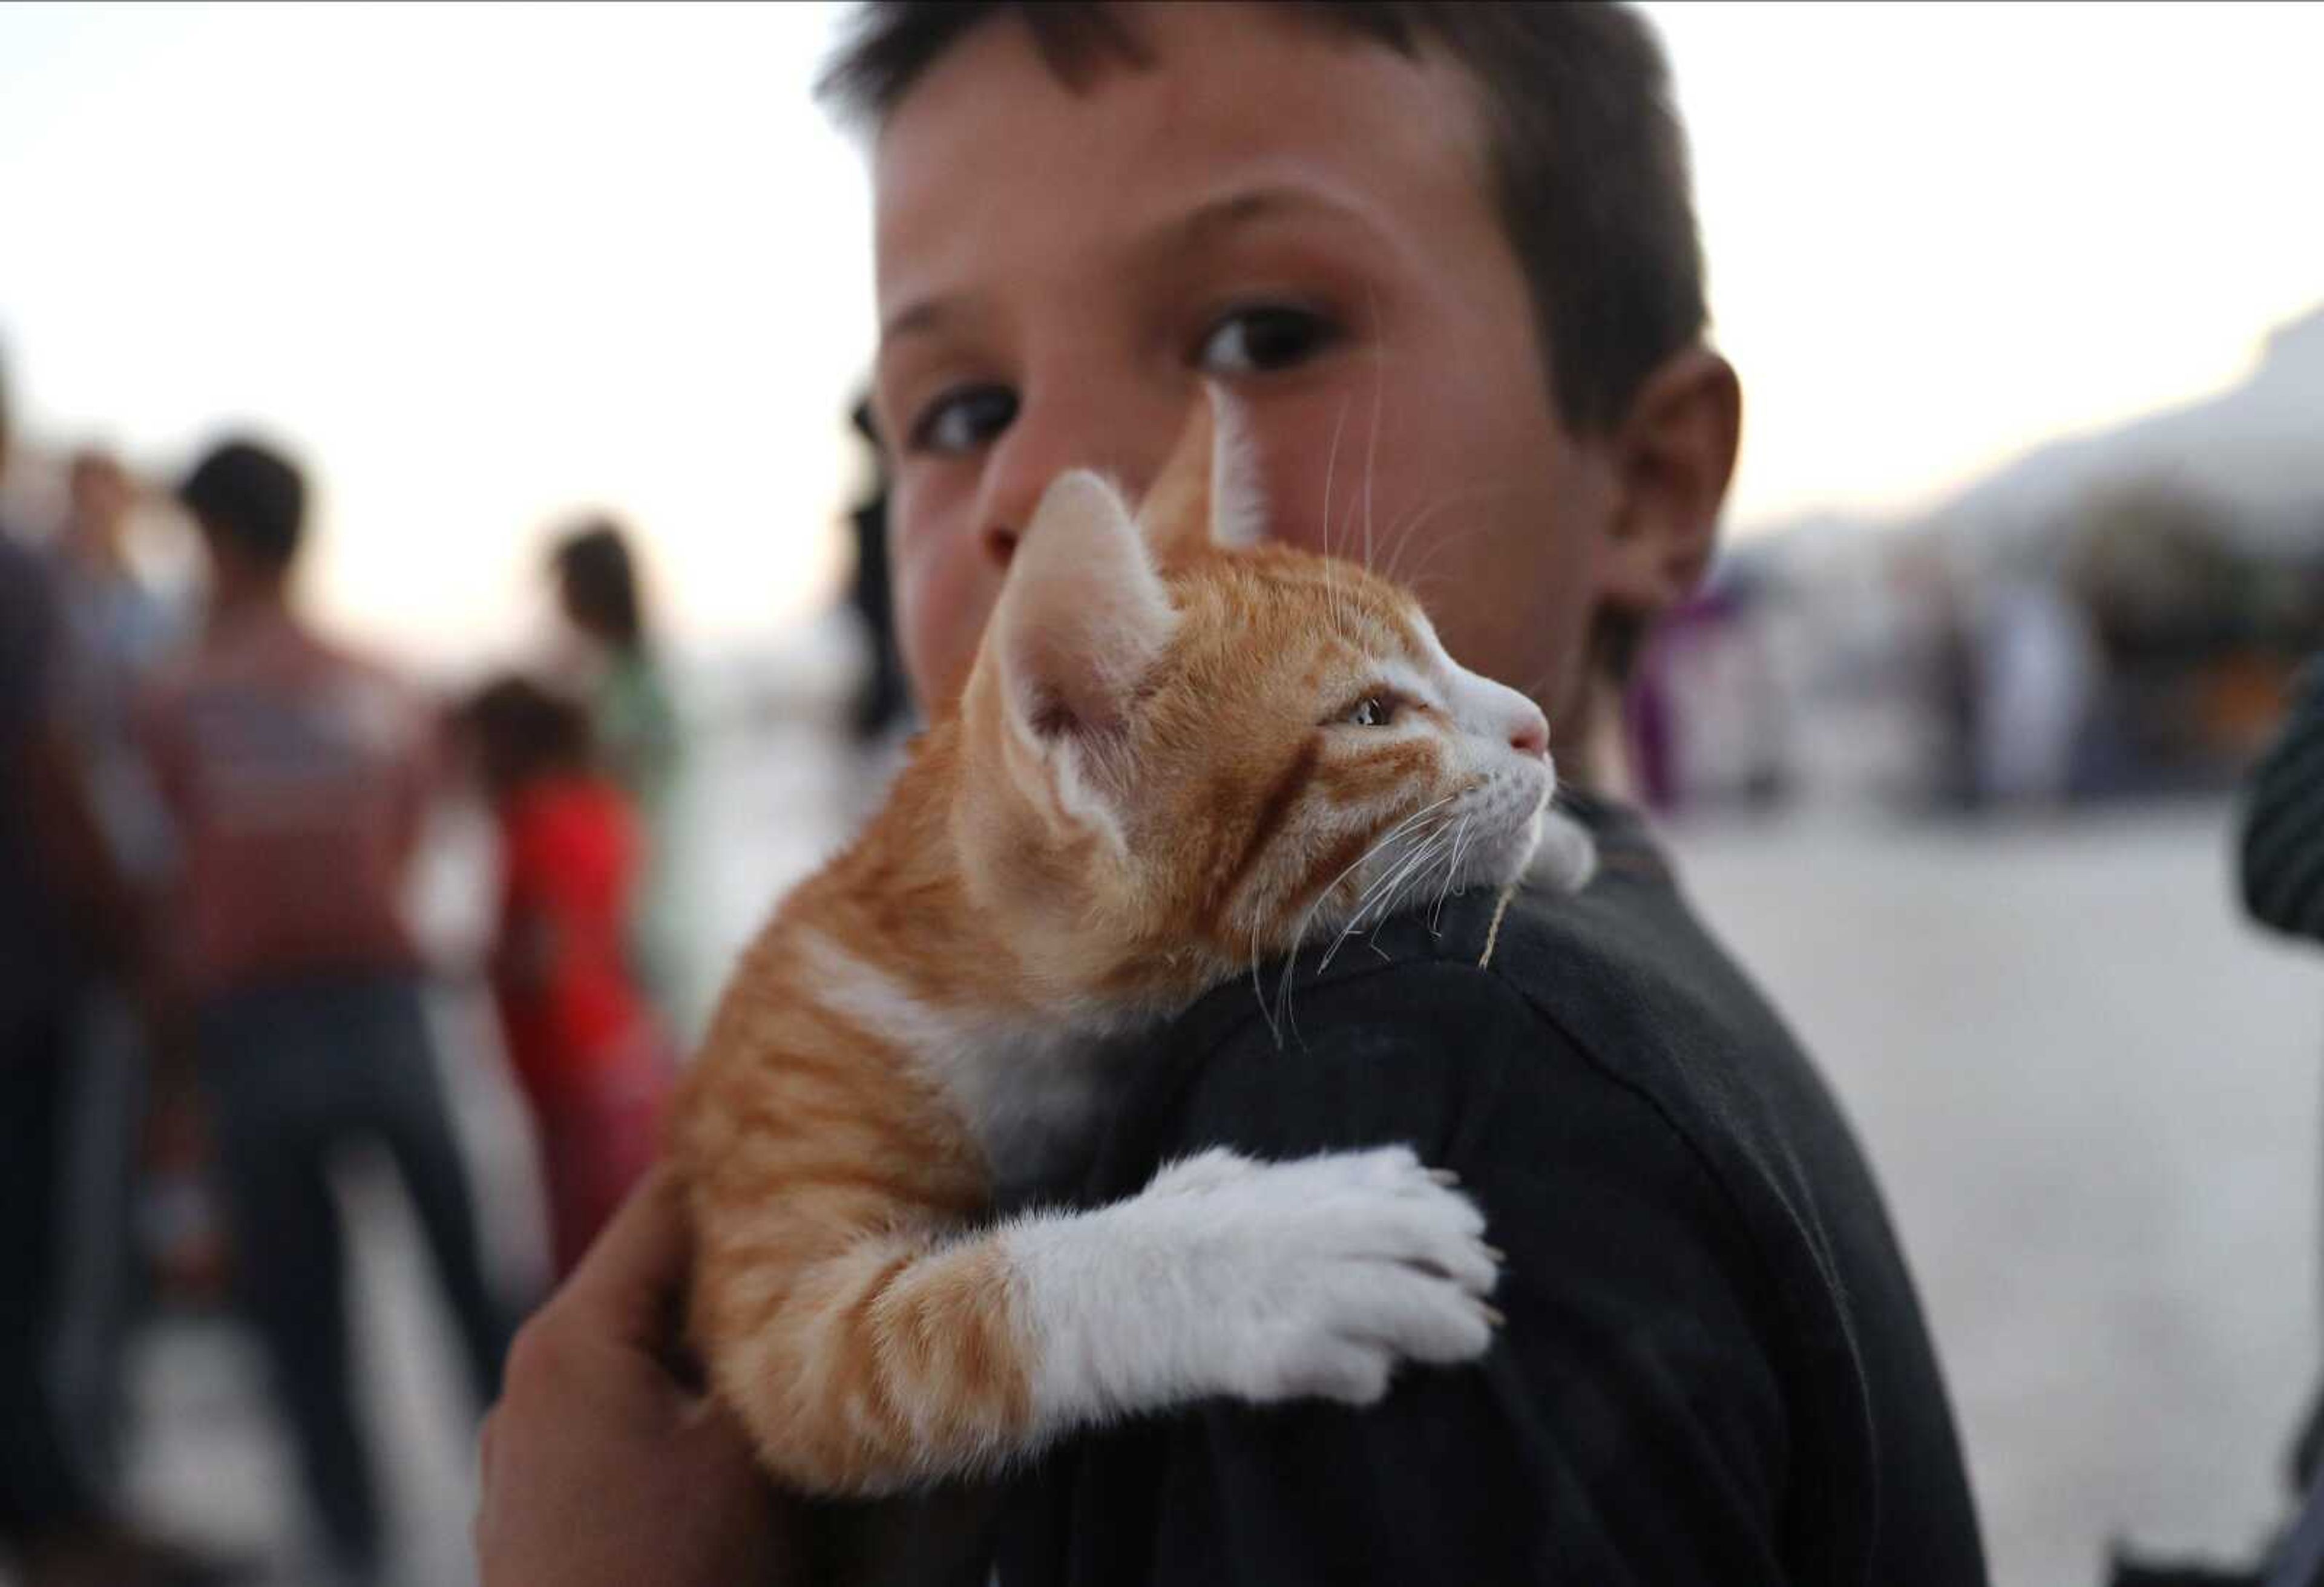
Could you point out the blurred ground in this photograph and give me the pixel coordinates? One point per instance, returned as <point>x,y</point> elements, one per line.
<point>2092,1094</point>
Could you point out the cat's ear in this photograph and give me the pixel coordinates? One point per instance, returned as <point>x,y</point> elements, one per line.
<point>1207,495</point>
<point>1081,620</point>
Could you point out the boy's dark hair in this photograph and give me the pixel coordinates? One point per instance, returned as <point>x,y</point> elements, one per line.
<point>523,730</point>
<point>1589,158</point>
<point>599,580</point>
<point>251,498</point>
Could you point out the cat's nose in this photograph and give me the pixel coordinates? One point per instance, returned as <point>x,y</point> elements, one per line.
<point>1529,730</point>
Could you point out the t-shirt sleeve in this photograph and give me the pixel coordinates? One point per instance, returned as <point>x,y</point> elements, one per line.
<point>1627,1426</point>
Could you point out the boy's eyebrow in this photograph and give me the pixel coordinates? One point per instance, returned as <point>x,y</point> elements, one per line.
<point>918,320</point>
<point>1198,228</point>
<point>1202,225</point>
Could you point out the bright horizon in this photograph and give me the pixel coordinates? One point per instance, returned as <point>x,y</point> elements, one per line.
<point>487,266</point>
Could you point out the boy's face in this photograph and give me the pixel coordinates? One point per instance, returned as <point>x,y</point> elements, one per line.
<point>1304,216</point>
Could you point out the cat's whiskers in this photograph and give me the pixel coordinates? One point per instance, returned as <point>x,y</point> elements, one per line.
<point>1400,534</point>
<point>1401,866</point>
<point>1384,907</point>
<point>1419,864</point>
<point>1299,934</point>
<point>1258,992</point>
<point>1437,548</point>
<point>1451,869</point>
<point>1414,521</point>
<point>1416,870</point>
<point>1398,866</point>
<point>1384,885</point>
<point>1382,841</point>
<point>1371,441</point>
<point>1331,468</point>
<point>1381,894</point>
<point>1420,591</point>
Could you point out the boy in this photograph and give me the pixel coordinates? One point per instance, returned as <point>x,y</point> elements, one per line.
<point>1445,256</point>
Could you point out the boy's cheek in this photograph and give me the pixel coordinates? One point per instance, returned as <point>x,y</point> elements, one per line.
<point>944,595</point>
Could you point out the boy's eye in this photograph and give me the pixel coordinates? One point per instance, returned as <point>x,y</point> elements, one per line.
<point>963,419</point>
<point>1254,341</point>
<point>1373,710</point>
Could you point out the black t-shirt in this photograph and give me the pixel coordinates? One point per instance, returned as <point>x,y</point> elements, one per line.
<point>1714,1368</point>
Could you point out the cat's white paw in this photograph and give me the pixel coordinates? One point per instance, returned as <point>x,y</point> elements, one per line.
<point>1352,1264</point>
<point>1267,1282</point>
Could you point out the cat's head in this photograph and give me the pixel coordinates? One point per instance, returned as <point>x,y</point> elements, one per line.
<point>1185,749</point>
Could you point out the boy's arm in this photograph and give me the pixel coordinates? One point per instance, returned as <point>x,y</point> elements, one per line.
<point>603,1465</point>
<point>1629,1425</point>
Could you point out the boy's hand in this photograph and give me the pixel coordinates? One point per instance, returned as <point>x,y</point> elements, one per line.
<point>600,1464</point>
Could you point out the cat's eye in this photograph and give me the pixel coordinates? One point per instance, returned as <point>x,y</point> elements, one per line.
<point>1373,710</point>
<point>962,419</point>
<point>1264,337</point>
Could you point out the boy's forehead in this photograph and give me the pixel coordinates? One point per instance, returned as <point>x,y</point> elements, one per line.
<point>991,151</point>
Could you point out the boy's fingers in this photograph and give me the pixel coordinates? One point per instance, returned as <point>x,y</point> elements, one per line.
<point>635,1267</point>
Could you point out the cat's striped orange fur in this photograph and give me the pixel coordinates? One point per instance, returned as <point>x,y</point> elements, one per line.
<point>1151,784</point>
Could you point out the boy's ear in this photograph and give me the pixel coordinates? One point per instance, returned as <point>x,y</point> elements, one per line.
<point>1674,456</point>
<point>1207,493</point>
<point>1081,620</point>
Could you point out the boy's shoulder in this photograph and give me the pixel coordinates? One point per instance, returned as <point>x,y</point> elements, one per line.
<point>1660,1158</point>
<point>1501,1025</point>
<point>1525,1027</point>
<point>1617,994</point>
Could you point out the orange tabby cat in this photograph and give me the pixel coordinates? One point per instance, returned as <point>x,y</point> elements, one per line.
<point>1179,753</point>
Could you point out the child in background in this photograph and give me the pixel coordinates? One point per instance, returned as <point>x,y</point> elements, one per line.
<point>592,1058</point>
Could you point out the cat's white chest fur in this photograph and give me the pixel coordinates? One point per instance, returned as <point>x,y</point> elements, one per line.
<point>1030,1092</point>
<point>1027,1094</point>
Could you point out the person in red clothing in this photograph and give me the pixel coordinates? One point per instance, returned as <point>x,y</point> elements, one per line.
<point>587,1050</point>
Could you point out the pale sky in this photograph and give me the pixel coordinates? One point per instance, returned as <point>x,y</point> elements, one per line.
<point>482,266</point>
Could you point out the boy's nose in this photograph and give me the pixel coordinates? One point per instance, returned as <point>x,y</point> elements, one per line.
<point>1102,425</point>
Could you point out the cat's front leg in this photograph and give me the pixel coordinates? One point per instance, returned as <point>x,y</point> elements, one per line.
<point>1264,1281</point>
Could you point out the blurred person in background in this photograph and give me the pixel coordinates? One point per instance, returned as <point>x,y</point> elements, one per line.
<point>640,736</point>
<point>2036,673</point>
<point>117,631</point>
<point>66,912</point>
<point>588,1050</point>
<point>120,631</point>
<point>296,775</point>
